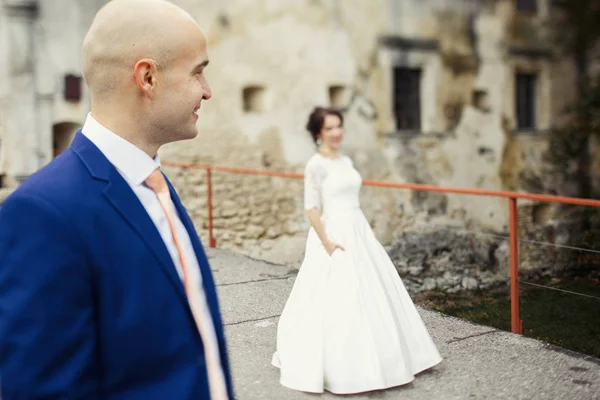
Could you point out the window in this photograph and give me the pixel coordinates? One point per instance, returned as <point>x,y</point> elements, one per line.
<point>407,98</point>
<point>62,136</point>
<point>529,6</point>
<point>481,100</point>
<point>72,91</point>
<point>254,99</point>
<point>337,96</point>
<point>525,100</point>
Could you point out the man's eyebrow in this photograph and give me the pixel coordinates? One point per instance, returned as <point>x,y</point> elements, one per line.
<point>202,65</point>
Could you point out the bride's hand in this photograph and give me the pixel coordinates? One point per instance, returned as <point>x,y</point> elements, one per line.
<point>330,247</point>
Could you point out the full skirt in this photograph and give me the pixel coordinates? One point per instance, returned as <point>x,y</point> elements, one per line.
<point>349,325</point>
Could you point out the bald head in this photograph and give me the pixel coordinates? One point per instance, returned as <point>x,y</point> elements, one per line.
<point>144,62</point>
<point>125,31</point>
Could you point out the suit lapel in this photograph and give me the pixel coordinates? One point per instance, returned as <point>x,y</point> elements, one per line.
<point>124,200</point>
<point>120,195</point>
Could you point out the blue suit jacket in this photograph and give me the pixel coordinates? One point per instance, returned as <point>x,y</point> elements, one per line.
<point>91,306</point>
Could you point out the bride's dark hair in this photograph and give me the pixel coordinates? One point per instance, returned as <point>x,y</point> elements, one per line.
<point>316,120</point>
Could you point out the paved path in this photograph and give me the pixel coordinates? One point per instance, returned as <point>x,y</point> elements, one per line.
<point>479,362</point>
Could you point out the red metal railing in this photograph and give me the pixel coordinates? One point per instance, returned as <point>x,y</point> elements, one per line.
<point>516,323</point>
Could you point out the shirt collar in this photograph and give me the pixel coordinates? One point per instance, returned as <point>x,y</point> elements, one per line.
<point>129,159</point>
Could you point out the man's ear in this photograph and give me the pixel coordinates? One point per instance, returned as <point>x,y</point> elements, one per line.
<point>146,76</point>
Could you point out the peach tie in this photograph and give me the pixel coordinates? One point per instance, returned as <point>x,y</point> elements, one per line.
<point>156,181</point>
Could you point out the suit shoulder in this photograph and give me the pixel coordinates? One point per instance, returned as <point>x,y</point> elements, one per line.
<point>56,183</point>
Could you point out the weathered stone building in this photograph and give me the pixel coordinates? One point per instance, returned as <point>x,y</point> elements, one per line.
<point>445,92</point>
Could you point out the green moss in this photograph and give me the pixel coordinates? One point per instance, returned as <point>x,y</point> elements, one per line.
<point>561,319</point>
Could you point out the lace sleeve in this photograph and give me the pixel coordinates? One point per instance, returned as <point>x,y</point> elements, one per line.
<point>313,178</point>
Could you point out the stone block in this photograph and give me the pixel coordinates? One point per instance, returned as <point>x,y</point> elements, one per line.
<point>273,232</point>
<point>254,232</point>
<point>470,283</point>
<point>243,212</point>
<point>291,227</point>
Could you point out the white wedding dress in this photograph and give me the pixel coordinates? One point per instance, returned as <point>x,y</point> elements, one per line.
<point>349,325</point>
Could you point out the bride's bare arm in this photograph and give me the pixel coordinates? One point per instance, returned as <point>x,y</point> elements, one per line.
<point>315,220</point>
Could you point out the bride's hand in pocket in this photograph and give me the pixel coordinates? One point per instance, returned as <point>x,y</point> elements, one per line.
<point>330,247</point>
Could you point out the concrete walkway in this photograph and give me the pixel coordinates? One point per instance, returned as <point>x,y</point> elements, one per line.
<point>479,362</point>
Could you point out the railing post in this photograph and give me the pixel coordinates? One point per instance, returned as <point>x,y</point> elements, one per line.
<point>211,239</point>
<point>516,323</point>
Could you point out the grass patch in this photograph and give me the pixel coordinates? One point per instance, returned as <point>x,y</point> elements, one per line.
<point>561,319</point>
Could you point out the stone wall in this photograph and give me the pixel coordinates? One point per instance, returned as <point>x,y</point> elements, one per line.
<point>462,143</point>
<point>258,216</point>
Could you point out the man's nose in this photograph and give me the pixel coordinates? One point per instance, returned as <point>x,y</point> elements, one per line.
<point>207,92</point>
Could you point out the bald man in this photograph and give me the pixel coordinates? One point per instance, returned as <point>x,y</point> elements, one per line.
<point>105,289</point>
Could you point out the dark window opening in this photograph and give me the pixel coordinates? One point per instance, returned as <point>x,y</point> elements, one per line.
<point>336,96</point>
<point>72,88</point>
<point>529,6</point>
<point>62,136</point>
<point>526,100</point>
<point>254,99</point>
<point>407,98</point>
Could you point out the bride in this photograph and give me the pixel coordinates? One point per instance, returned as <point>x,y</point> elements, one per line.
<point>349,325</point>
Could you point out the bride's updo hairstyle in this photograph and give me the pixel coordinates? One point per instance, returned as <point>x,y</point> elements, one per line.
<point>316,120</point>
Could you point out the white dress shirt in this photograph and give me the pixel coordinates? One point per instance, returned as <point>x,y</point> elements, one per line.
<point>135,166</point>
